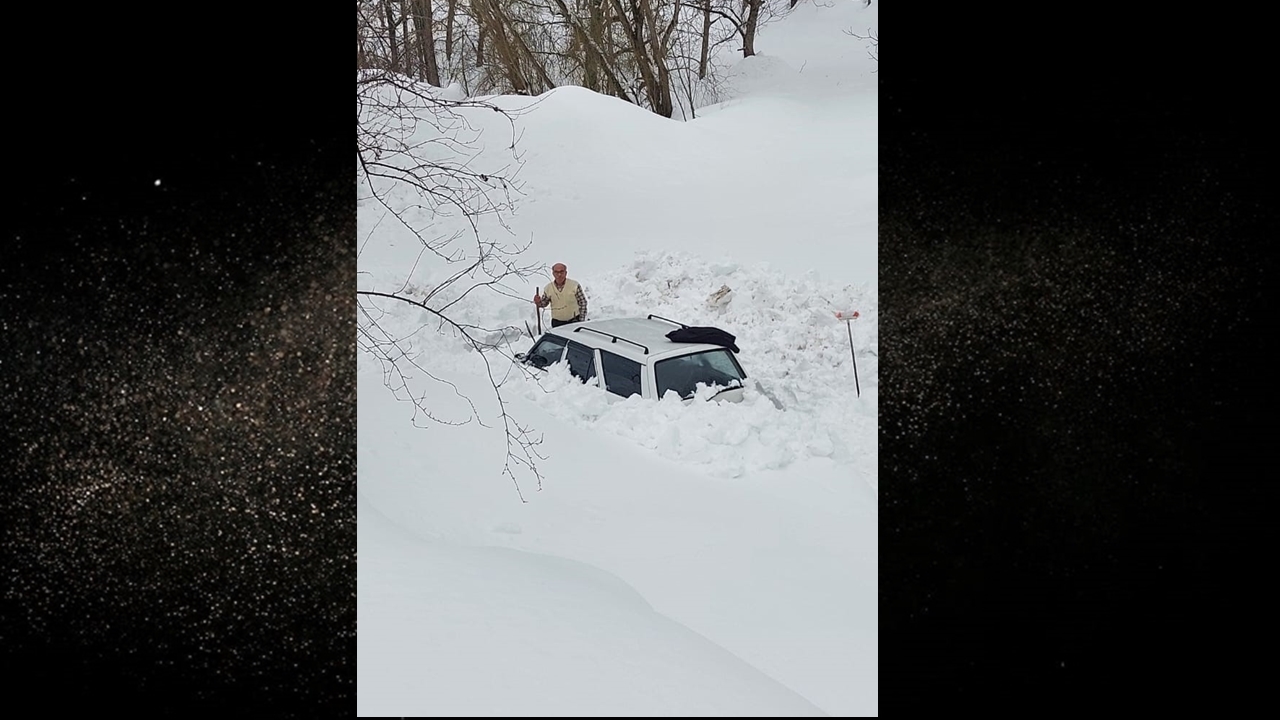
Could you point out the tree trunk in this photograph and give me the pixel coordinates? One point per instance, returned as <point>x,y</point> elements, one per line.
<point>361,60</point>
<point>391,30</point>
<point>590,74</point>
<point>448,30</point>
<point>706,40</point>
<point>659,44</point>
<point>749,28</point>
<point>423,25</point>
<point>407,55</point>
<point>637,23</point>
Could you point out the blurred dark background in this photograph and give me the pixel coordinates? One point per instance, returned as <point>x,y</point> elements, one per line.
<point>1075,268</point>
<point>177,397</point>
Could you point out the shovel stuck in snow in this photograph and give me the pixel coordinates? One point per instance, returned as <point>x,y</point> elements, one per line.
<point>848,318</point>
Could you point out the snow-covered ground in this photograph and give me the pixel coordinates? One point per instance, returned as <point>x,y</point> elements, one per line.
<point>693,559</point>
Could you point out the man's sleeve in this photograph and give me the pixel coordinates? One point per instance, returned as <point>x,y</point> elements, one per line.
<point>582,303</point>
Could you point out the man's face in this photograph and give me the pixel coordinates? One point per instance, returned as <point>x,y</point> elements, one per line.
<point>559,273</point>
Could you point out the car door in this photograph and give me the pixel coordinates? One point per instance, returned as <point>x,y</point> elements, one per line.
<point>621,375</point>
<point>582,361</point>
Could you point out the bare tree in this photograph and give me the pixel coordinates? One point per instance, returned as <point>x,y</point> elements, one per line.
<point>704,56</point>
<point>392,44</point>
<point>363,39</point>
<point>515,43</point>
<point>659,54</point>
<point>750,26</point>
<point>426,41</point>
<point>649,34</point>
<point>698,81</point>
<point>406,53</point>
<point>413,143</point>
<point>744,17</point>
<point>600,68</point>
<point>448,29</point>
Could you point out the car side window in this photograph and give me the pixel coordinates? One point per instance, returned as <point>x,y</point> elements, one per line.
<point>547,352</point>
<point>675,374</point>
<point>582,361</point>
<point>621,376</point>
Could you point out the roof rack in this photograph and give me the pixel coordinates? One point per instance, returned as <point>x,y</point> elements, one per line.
<point>673,322</point>
<point>615,337</point>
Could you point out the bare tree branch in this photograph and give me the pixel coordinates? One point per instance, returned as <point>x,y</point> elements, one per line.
<point>420,164</point>
<point>521,442</point>
<point>874,37</point>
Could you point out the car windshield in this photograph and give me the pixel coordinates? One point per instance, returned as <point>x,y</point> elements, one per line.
<point>711,367</point>
<point>548,351</point>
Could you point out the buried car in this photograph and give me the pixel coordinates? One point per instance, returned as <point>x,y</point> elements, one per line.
<point>635,356</point>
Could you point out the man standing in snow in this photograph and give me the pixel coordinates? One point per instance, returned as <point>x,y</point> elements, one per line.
<point>564,296</point>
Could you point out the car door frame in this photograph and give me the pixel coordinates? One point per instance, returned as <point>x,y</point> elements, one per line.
<point>595,379</point>
<point>604,384</point>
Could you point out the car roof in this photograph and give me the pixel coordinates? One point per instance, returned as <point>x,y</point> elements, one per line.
<point>651,333</point>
